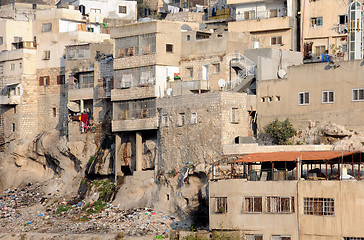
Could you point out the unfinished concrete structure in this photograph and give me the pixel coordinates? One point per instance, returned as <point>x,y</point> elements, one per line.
<point>314,92</point>
<point>267,198</point>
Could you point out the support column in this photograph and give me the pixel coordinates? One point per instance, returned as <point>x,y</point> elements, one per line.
<point>82,108</point>
<point>117,158</point>
<point>138,151</point>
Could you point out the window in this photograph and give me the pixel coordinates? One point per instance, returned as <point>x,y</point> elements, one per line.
<point>303,98</point>
<point>276,40</point>
<point>252,205</point>
<point>253,237</point>
<point>216,67</point>
<point>221,205</point>
<point>95,10</point>
<point>234,115</point>
<point>54,111</point>
<point>319,206</point>
<point>343,19</point>
<point>46,55</point>
<point>44,81</point>
<point>280,204</point>
<point>47,27</point>
<point>188,37</point>
<point>193,118</point>
<point>181,120</point>
<point>190,71</point>
<point>1,40</point>
<point>1,69</point>
<point>18,39</point>
<point>317,21</point>
<point>60,79</point>
<point>12,67</point>
<point>20,65</point>
<point>165,121</point>
<point>249,15</point>
<point>273,13</point>
<point>122,9</point>
<point>319,50</point>
<point>353,238</point>
<point>13,127</point>
<point>327,96</point>
<point>358,94</point>
<point>278,98</point>
<point>169,48</point>
<point>280,237</point>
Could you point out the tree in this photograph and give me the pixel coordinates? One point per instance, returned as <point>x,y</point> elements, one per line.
<point>279,131</point>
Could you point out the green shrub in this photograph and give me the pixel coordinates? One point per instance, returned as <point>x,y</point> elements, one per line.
<point>279,131</point>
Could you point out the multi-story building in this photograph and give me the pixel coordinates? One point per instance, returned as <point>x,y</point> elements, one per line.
<point>290,195</point>
<point>267,24</point>
<point>54,30</point>
<point>324,27</point>
<point>317,92</point>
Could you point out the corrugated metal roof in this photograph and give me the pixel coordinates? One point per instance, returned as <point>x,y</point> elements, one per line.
<point>292,156</point>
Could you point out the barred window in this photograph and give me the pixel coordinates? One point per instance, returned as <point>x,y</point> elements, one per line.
<point>252,205</point>
<point>280,204</point>
<point>319,206</point>
<point>181,119</point>
<point>280,237</point>
<point>193,118</point>
<point>47,27</point>
<point>253,237</point>
<point>220,205</point>
<point>165,120</point>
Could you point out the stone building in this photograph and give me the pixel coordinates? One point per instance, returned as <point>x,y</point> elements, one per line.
<point>193,128</point>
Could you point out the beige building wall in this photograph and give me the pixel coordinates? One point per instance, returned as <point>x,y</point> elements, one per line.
<point>278,98</point>
<point>11,28</point>
<point>330,34</point>
<point>346,221</point>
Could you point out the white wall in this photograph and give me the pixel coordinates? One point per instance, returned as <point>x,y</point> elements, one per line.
<point>161,73</point>
<point>110,8</point>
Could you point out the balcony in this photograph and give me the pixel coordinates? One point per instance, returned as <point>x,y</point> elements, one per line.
<point>188,87</point>
<point>10,100</point>
<point>25,44</point>
<point>135,124</point>
<point>260,23</point>
<point>133,93</point>
<point>80,93</point>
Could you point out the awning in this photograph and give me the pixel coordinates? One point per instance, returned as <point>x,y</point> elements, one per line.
<point>293,156</point>
<point>12,84</point>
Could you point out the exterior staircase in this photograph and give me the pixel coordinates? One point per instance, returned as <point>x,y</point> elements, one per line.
<point>245,70</point>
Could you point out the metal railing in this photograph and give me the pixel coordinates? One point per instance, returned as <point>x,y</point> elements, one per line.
<point>247,69</point>
<point>252,15</point>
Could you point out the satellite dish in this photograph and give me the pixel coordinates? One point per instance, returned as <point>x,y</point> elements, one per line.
<point>169,91</point>
<point>281,73</point>
<point>221,83</point>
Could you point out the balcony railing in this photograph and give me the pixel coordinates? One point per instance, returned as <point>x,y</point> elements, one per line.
<point>136,114</point>
<point>252,15</point>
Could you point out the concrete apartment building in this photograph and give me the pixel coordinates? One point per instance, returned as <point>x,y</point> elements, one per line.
<point>54,30</point>
<point>89,67</point>
<point>314,92</point>
<point>146,55</point>
<point>324,27</point>
<point>267,198</point>
<point>267,24</point>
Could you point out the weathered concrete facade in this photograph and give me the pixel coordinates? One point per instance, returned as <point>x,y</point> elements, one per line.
<point>295,224</point>
<point>303,95</point>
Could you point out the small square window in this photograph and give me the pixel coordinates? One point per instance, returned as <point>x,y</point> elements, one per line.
<point>278,98</point>
<point>358,94</point>
<point>169,48</point>
<point>188,37</point>
<point>276,40</point>
<point>165,120</point>
<point>122,9</point>
<point>253,237</point>
<point>327,96</point>
<point>47,27</point>
<point>317,21</point>
<point>303,98</point>
<point>46,55</point>
<point>60,79</point>
<point>343,19</point>
<point>252,205</point>
<point>220,205</point>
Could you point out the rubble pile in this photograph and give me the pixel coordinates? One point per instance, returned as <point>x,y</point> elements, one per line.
<point>27,209</point>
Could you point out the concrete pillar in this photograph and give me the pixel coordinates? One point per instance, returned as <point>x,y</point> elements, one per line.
<point>81,106</point>
<point>138,151</point>
<point>117,157</point>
